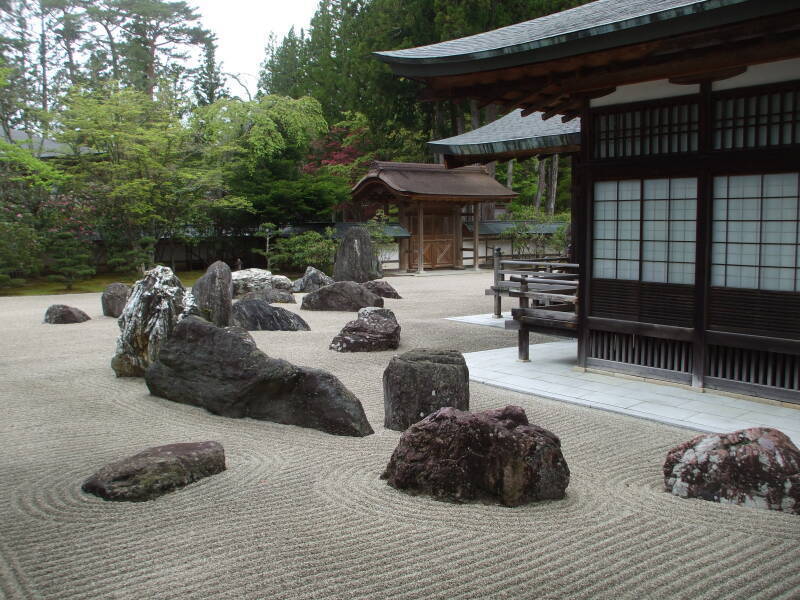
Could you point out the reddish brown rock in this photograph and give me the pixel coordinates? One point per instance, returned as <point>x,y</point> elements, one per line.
<point>382,289</point>
<point>114,298</point>
<point>156,471</point>
<point>493,456</point>
<point>375,329</point>
<point>757,467</point>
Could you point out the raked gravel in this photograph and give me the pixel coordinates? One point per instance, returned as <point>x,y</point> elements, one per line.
<point>302,514</point>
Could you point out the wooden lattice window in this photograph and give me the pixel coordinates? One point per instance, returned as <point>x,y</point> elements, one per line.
<point>757,119</point>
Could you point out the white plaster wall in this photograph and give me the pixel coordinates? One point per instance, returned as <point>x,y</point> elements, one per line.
<point>648,90</point>
<point>782,70</point>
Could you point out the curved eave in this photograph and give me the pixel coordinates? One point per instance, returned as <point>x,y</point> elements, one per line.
<point>528,146</point>
<point>674,21</point>
<point>362,187</point>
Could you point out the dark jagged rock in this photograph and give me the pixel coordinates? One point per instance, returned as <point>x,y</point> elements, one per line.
<point>757,467</point>
<point>421,381</point>
<point>311,281</point>
<point>271,296</point>
<point>156,471</point>
<point>222,370</point>
<point>492,456</point>
<point>254,280</point>
<point>375,329</point>
<point>61,314</point>
<point>256,315</point>
<point>213,294</point>
<point>382,289</point>
<point>114,298</point>
<point>342,295</point>
<point>152,311</point>
<point>355,257</point>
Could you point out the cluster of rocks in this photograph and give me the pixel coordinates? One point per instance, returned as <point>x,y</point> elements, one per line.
<point>375,329</point>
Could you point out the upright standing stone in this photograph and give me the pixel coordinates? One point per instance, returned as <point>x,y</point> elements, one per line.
<point>421,381</point>
<point>114,298</point>
<point>355,257</point>
<point>213,294</point>
<point>147,321</point>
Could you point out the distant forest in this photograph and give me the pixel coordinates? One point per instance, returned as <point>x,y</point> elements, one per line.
<point>155,143</point>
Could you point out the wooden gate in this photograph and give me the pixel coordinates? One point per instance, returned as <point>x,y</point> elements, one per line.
<point>438,242</point>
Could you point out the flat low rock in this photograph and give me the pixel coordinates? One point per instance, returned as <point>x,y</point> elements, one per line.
<point>375,329</point>
<point>494,456</point>
<point>61,314</point>
<point>257,315</point>
<point>342,295</point>
<point>114,298</point>
<point>253,280</point>
<point>223,371</point>
<point>271,296</point>
<point>156,471</point>
<point>421,381</point>
<point>382,288</point>
<point>758,467</point>
<point>311,281</point>
<point>213,294</point>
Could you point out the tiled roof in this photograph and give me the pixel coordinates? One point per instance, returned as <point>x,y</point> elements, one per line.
<point>589,20</point>
<point>511,133</point>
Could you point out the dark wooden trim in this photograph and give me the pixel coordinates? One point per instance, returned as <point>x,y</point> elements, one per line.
<point>752,389</point>
<point>703,233</point>
<point>753,342</point>
<point>667,332</point>
<point>582,215</point>
<point>649,372</point>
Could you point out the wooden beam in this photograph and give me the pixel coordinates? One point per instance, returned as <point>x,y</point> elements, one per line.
<point>420,238</point>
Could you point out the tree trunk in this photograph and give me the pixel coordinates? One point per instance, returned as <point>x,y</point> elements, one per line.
<point>551,200</point>
<point>475,114</point>
<point>510,174</point>
<point>459,118</point>
<point>541,183</point>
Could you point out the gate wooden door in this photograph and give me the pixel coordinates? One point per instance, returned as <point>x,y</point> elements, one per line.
<point>438,241</point>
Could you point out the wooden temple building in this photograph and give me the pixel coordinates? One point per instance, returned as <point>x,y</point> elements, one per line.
<point>686,209</point>
<point>432,203</point>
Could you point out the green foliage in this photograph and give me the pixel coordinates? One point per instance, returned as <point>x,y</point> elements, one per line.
<point>382,244</point>
<point>525,242</point>
<point>135,259</point>
<point>20,252</point>
<point>70,258</point>
<point>266,231</point>
<point>297,252</point>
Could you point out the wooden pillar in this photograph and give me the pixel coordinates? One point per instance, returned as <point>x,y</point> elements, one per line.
<point>403,244</point>
<point>458,237</point>
<point>476,248</point>
<point>420,238</point>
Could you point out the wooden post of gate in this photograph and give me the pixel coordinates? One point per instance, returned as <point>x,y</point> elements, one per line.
<point>420,239</point>
<point>476,222</point>
<point>458,242</point>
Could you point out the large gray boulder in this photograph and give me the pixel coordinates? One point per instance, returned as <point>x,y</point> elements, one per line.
<point>222,370</point>
<point>61,314</point>
<point>421,381</point>
<point>342,295</point>
<point>253,280</point>
<point>156,471</point>
<point>152,311</point>
<point>114,298</point>
<point>355,258</point>
<point>491,456</point>
<point>375,329</point>
<point>256,315</point>
<point>271,296</point>
<point>757,467</point>
<point>382,288</point>
<point>213,294</point>
<point>311,281</point>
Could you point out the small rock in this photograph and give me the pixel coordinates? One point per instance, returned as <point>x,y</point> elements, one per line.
<point>382,288</point>
<point>150,315</point>
<point>114,298</point>
<point>281,282</point>
<point>61,314</point>
<point>256,315</point>
<point>271,296</point>
<point>421,381</point>
<point>757,467</point>
<point>355,258</point>
<point>222,370</point>
<point>156,471</point>
<point>311,281</point>
<point>491,456</point>
<point>213,294</point>
<point>375,329</point>
<point>342,295</point>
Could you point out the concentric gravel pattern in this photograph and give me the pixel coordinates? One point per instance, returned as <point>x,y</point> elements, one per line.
<point>303,514</point>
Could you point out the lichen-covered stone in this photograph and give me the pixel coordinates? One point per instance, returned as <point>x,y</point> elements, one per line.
<point>256,315</point>
<point>213,294</point>
<point>757,467</point>
<point>355,258</point>
<point>254,280</point>
<point>223,371</point>
<point>311,281</point>
<point>152,311</point>
<point>375,329</point>
<point>156,471</point>
<point>421,381</point>
<point>491,456</point>
<point>61,314</point>
<point>382,288</point>
<point>343,296</point>
<point>114,298</point>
